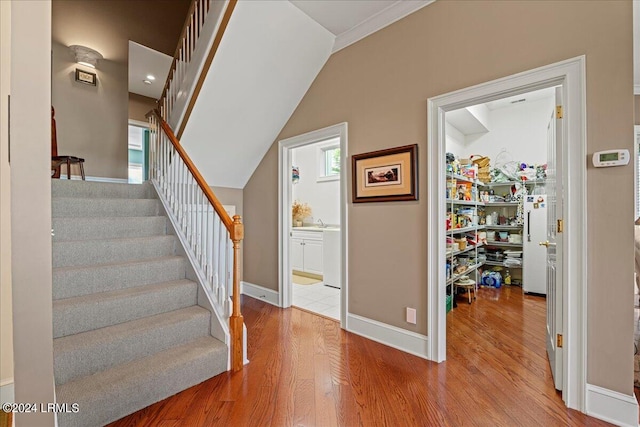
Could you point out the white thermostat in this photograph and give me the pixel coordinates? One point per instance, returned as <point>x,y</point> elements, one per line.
<point>605,159</point>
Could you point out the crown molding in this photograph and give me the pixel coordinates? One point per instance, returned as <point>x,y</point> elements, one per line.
<point>382,19</point>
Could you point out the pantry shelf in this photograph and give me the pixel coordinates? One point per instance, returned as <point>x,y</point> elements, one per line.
<point>464,178</point>
<point>464,202</point>
<point>499,204</point>
<point>470,269</point>
<point>526,182</point>
<point>509,244</point>
<point>467,249</point>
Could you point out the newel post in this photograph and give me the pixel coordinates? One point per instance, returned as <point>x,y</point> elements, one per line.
<point>236,322</point>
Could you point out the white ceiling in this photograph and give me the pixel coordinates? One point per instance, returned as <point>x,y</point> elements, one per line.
<point>269,56</point>
<point>527,97</point>
<point>348,20</point>
<point>353,20</point>
<point>144,61</point>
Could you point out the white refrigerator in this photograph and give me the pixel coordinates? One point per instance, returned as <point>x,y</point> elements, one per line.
<point>534,256</point>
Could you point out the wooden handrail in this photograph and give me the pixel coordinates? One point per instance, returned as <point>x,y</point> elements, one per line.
<point>186,47</point>
<point>207,64</point>
<point>222,213</point>
<point>236,234</point>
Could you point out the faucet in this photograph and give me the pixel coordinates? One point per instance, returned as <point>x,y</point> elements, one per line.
<point>322,224</point>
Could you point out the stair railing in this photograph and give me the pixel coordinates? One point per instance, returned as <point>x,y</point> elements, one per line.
<point>201,35</point>
<point>212,236</point>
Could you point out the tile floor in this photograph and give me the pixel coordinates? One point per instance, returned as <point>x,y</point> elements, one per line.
<point>318,298</point>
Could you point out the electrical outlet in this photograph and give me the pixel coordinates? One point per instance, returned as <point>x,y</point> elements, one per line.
<point>411,315</point>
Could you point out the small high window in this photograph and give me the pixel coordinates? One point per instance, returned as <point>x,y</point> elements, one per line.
<point>329,160</point>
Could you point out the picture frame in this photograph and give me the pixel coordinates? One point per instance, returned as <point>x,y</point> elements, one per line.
<point>86,77</point>
<point>388,175</point>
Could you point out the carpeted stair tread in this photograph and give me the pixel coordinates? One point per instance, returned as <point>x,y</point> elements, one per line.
<point>90,352</point>
<point>109,395</point>
<point>107,227</point>
<point>108,251</point>
<point>90,189</point>
<point>127,328</point>
<point>76,281</point>
<point>87,207</point>
<point>88,312</point>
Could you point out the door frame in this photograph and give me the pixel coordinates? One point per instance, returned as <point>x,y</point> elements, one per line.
<point>285,191</point>
<point>570,75</point>
<point>636,168</point>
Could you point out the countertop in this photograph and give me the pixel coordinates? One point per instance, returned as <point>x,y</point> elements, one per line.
<point>315,228</point>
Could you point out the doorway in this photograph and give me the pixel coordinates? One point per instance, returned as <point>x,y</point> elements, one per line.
<point>138,152</point>
<point>313,222</point>
<point>569,76</point>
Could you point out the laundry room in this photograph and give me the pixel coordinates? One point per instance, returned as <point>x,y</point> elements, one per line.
<point>499,192</point>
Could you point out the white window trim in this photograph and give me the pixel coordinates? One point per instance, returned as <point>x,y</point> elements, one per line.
<point>321,149</point>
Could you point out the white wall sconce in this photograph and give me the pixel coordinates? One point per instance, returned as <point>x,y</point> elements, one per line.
<point>86,56</point>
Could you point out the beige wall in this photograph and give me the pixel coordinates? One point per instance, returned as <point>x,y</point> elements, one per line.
<point>92,120</point>
<point>380,87</point>
<point>139,106</point>
<point>6,323</point>
<point>234,197</point>
<point>31,207</point>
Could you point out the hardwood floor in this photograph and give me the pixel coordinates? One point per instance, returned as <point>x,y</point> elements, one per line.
<point>306,371</point>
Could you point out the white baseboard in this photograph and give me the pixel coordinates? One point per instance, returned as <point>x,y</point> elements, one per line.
<point>6,391</point>
<point>96,179</point>
<point>407,341</point>
<point>258,292</point>
<point>611,406</point>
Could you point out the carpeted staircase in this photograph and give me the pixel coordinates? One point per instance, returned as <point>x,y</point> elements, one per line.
<point>127,328</point>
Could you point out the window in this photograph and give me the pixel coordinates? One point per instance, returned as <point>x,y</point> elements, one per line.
<point>332,161</point>
<point>329,160</point>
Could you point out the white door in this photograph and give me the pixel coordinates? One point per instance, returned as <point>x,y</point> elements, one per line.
<point>554,243</point>
<point>297,254</point>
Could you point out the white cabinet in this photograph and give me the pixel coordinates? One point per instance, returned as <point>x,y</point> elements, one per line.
<point>306,251</point>
<point>312,257</point>
<point>297,254</point>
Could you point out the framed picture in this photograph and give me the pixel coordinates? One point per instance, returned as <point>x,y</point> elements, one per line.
<point>85,77</point>
<point>386,175</point>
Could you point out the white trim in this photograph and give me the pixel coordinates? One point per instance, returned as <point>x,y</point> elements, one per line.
<point>636,89</point>
<point>96,178</point>
<point>569,74</point>
<point>384,18</point>
<point>219,321</point>
<point>199,56</point>
<point>260,292</point>
<point>321,161</point>
<point>139,123</point>
<point>611,406</point>
<point>284,214</point>
<point>636,136</point>
<point>7,392</point>
<point>401,339</point>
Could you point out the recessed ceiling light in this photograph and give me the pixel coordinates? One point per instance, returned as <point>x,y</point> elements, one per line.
<point>147,82</point>
<point>151,77</point>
